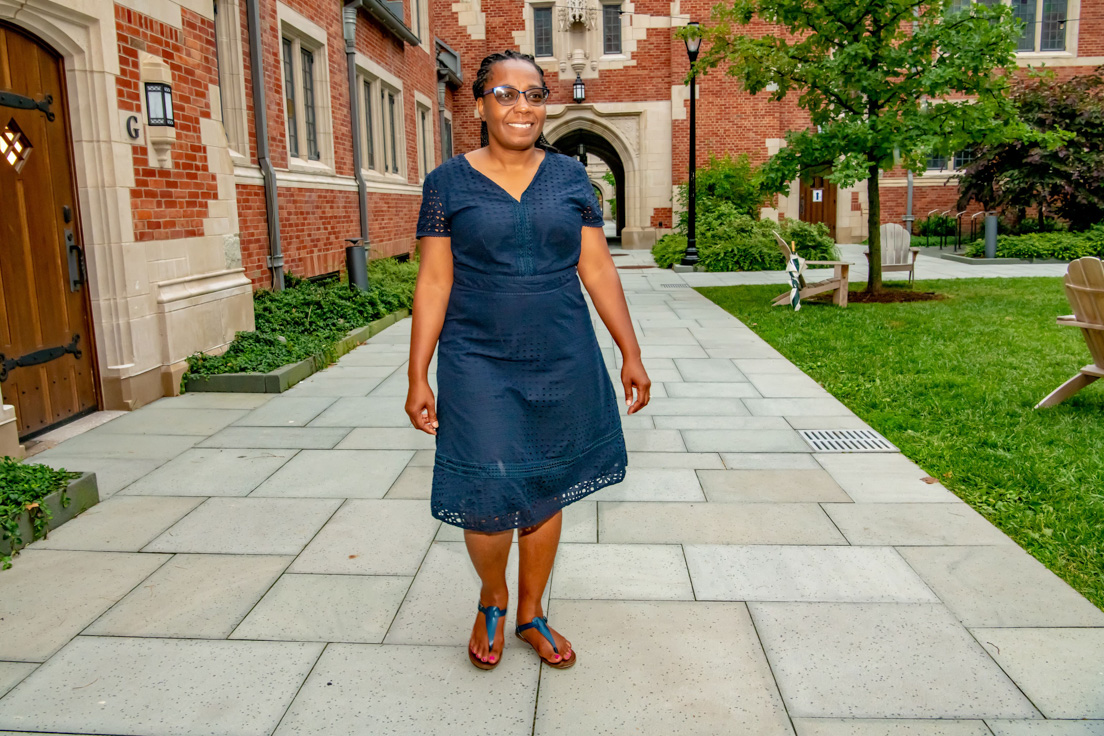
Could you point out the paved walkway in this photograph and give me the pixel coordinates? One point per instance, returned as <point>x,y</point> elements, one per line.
<point>269,565</point>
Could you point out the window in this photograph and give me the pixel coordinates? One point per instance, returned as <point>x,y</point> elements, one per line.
<point>425,141</point>
<point>1044,24</point>
<point>289,98</point>
<point>369,127</point>
<point>542,31</point>
<point>308,104</point>
<point>307,109</point>
<point>382,128</point>
<point>937,163</point>
<point>959,161</point>
<point>392,122</point>
<point>962,159</point>
<point>446,138</point>
<point>611,29</point>
<point>416,17</point>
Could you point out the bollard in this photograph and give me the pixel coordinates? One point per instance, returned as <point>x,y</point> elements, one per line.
<point>991,236</point>
<point>356,264</point>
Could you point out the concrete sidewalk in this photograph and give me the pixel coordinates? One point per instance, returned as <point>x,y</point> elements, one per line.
<point>269,565</point>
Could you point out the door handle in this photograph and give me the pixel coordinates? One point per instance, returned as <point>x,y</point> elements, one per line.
<point>77,273</point>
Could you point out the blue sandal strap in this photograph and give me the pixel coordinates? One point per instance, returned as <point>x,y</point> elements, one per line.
<point>540,623</point>
<point>491,614</point>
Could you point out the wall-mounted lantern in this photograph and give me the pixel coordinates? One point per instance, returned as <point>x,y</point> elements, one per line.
<point>581,154</point>
<point>159,107</point>
<point>578,90</point>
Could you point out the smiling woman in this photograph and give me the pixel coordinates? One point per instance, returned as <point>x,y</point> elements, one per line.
<point>528,413</point>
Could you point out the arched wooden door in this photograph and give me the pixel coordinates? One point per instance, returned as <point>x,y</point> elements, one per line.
<point>817,202</point>
<point>47,360</point>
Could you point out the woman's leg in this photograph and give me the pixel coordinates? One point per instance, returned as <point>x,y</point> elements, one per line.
<point>489,553</point>
<point>537,546</point>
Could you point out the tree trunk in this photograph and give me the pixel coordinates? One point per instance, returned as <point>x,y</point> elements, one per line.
<point>873,224</point>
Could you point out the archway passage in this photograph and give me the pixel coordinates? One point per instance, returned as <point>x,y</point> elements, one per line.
<point>47,355</point>
<point>598,146</point>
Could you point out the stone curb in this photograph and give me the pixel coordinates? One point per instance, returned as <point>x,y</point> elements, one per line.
<point>284,377</point>
<point>83,494</point>
<point>997,261</point>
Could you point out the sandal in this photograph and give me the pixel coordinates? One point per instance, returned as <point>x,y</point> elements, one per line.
<point>491,614</point>
<point>540,623</point>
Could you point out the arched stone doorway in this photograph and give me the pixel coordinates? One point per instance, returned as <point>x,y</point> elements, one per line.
<point>596,145</point>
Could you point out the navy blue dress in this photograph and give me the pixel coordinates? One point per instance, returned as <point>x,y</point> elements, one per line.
<point>528,416</point>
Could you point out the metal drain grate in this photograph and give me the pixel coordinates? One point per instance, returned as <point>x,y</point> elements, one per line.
<point>679,285</point>
<point>846,440</point>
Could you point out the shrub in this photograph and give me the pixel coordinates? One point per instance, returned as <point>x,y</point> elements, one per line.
<point>307,319</point>
<point>724,182</point>
<point>728,241</point>
<point>1063,246</point>
<point>22,487</point>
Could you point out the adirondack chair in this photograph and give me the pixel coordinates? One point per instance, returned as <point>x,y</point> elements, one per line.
<point>1085,291</point>
<point>838,282</point>
<point>897,253</point>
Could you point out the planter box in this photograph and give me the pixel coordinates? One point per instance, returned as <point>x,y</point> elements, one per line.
<point>996,261</point>
<point>83,494</point>
<point>284,377</point>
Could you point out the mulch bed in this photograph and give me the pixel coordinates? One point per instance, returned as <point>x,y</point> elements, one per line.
<point>889,296</point>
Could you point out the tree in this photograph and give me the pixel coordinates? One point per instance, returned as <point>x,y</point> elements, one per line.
<point>885,83</point>
<point>1068,180</point>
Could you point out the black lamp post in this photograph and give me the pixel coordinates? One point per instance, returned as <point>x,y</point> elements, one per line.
<point>578,90</point>
<point>693,43</point>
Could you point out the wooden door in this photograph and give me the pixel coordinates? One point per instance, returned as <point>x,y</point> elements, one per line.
<point>818,202</point>
<point>46,348</point>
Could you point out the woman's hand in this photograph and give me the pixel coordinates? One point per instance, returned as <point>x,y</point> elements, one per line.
<point>421,408</point>
<point>633,374</point>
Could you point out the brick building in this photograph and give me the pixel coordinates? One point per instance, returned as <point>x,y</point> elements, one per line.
<point>143,197</point>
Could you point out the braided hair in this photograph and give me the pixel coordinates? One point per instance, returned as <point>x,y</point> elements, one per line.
<point>480,84</point>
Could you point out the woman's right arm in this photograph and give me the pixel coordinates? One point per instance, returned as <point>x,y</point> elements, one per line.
<point>431,296</point>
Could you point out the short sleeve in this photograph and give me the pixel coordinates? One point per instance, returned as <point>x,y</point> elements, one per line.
<point>433,217</point>
<point>591,210</point>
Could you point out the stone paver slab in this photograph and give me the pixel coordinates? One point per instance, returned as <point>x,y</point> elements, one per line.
<point>12,673</point>
<point>243,526</point>
<point>786,385</point>
<point>157,447</point>
<point>1001,586</point>
<point>440,607</point>
<point>371,537</point>
<point>211,472</point>
<point>580,524</point>
<point>286,411</point>
<point>634,676</point>
<point>882,660</point>
<point>769,461</point>
<point>298,438</point>
<point>941,524</point>
<point>895,726</point>
<point>1046,728</point>
<point>766,366</point>
<point>653,440</point>
<point>204,400</point>
<point>335,387</point>
<point>815,407</point>
<point>371,411</point>
<point>694,421</point>
<point>653,484</point>
<point>882,478</point>
<point>201,422</point>
<point>346,608</point>
<point>40,618</point>
<point>774,486</point>
<point>621,572</point>
<point>698,407</point>
<point>391,438</point>
<point>413,482</point>
<point>686,390</point>
<point>803,573</point>
<point>675,460</point>
<point>162,686</point>
<point>709,369</point>
<point>120,524</point>
<point>336,474</point>
<point>1061,670</point>
<point>715,523</point>
<point>112,474</point>
<point>423,690</point>
<point>744,440</point>
<point>836,422</point>
<point>193,597</point>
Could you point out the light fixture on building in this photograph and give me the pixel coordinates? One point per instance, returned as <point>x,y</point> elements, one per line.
<point>578,90</point>
<point>582,154</point>
<point>159,107</point>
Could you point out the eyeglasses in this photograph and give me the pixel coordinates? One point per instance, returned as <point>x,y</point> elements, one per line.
<point>508,96</point>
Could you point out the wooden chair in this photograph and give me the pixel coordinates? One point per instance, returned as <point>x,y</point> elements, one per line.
<point>838,282</point>
<point>897,253</point>
<point>1085,291</point>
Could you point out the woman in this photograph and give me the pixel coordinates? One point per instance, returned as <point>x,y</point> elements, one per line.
<point>526,421</point>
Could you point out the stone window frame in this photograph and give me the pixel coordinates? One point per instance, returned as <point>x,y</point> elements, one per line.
<point>634,27</point>
<point>1037,54</point>
<point>231,78</point>
<point>623,18</point>
<point>531,28</point>
<point>419,25</point>
<point>381,82</point>
<point>424,131</point>
<point>303,34</point>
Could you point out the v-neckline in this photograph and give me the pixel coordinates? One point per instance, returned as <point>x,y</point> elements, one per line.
<point>502,188</point>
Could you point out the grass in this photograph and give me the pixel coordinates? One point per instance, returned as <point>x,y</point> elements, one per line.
<point>952,383</point>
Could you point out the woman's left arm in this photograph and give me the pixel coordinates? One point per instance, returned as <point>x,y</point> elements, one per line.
<point>599,276</point>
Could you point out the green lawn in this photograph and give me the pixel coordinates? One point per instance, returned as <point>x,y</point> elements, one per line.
<point>952,383</point>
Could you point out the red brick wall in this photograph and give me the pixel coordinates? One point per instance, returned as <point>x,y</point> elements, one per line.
<point>169,203</point>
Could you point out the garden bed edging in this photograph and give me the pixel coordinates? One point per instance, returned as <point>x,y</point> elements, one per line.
<point>83,493</point>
